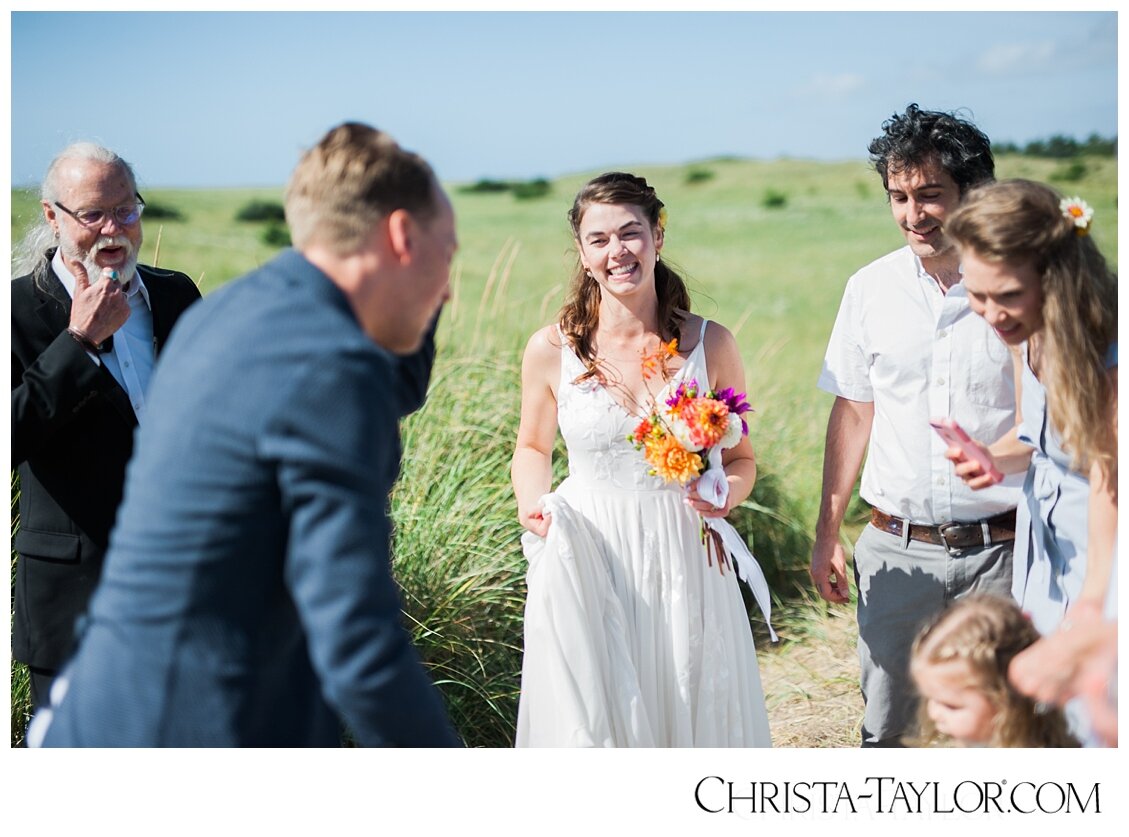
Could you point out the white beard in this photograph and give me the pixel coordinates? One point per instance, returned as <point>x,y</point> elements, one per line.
<point>93,269</point>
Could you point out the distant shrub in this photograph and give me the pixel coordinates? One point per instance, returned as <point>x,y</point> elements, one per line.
<point>521,189</point>
<point>261,211</point>
<point>862,188</point>
<point>773,199</point>
<point>699,175</point>
<point>487,185</point>
<point>160,210</point>
<point>275,234</point>
<point>530,189</point>
<point>1072,172</point>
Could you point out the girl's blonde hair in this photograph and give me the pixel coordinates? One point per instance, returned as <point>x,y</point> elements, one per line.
<point>987,632</point>
<point>1020,221</point>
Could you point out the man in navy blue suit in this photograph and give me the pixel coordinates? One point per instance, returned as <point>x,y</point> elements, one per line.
<point>247,597</point>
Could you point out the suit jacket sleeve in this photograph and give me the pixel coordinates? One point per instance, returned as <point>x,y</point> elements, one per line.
<point>48,389</point>
<point>414,372</point>
<point>53,378</point>
<point>337,451</point>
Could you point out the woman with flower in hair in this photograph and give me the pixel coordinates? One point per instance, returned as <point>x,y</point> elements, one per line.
<point>1033,271</point>
<point>635,633</point>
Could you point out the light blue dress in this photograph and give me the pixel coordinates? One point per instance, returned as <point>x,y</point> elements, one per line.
<point>1052,519</point>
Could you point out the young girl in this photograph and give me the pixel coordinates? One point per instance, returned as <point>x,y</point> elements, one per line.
<point>959,662</point>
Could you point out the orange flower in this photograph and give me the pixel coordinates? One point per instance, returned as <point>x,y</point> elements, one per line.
<point>671,461</point>
<point>706,419</point>
<point>644,429</point>
<point>655,362</point>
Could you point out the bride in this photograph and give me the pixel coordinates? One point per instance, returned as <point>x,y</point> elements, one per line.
<point>635,634</point>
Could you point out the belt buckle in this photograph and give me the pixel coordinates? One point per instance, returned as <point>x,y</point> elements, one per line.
<point>944,529</point>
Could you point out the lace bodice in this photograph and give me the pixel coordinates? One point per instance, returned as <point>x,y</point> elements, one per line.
<point>596,427</point>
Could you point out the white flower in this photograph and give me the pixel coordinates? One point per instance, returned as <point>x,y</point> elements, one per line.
<point>1077,211</point>
<point>680,430</point>
<point>733,432</point>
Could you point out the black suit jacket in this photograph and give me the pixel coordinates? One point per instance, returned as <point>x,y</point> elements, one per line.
<point>72,435</point>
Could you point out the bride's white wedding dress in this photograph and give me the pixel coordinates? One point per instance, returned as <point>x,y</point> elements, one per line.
<point>633,637</point>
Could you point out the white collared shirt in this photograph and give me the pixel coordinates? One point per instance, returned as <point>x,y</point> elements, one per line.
<point>133,355</point>
<point>918,353</point>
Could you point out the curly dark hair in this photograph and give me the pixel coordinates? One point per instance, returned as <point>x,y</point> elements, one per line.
<point>910,139</point>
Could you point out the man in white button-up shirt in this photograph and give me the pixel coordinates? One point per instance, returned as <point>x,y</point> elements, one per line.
<point>906,347</point>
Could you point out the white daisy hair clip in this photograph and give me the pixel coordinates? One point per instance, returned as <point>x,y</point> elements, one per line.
<point>1078,212</point>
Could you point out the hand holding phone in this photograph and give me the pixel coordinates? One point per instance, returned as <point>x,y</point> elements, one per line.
<point>954,434</point>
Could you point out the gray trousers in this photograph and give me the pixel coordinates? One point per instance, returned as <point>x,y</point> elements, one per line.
<point>900,586</point>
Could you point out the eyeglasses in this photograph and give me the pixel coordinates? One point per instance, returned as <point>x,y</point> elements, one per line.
<point>96,218</point>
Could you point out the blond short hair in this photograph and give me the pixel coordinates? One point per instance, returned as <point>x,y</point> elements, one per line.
<point>352,178</point>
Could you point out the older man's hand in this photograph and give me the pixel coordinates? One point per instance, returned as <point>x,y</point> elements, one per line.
<point>100,309</point>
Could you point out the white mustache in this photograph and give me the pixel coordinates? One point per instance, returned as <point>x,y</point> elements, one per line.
<point>105,241</point>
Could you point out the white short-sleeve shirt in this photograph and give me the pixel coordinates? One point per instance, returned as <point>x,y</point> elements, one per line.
<point>919,353</point>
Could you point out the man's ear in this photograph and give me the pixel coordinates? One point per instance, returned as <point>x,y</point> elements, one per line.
<point>51,216</point>
<point>401,228</point>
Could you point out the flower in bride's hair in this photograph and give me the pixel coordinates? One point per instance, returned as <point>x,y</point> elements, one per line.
<point>1078,212</point>
<point>662,217</point>
<point>670,461</point>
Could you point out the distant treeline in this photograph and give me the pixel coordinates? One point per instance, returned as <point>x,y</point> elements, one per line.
<point>1061,147</point>
<point>522,189</point>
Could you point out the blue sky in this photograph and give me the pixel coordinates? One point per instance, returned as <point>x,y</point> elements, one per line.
<point>229,99</point>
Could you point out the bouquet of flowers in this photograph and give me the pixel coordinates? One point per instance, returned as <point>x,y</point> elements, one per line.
<point>682,439</point>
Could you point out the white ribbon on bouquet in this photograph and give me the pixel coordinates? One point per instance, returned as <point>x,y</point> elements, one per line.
<point>713,487</point>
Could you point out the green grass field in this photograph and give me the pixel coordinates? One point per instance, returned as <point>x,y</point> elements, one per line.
<point>773,274</point>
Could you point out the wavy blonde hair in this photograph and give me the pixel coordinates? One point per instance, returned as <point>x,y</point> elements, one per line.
<point>1019,221</point>
<point>986,632</point>
<point>581,312</point>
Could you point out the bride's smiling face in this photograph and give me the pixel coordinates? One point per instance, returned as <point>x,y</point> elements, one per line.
<point>619,247</point>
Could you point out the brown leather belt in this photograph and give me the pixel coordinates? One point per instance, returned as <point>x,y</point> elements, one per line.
<point>955,537</point>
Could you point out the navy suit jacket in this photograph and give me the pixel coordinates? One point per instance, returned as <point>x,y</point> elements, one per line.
<point>247,597</point>
<point>72,434</point>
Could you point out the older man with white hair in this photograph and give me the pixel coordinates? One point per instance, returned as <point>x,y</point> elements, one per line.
<point>87,325</point>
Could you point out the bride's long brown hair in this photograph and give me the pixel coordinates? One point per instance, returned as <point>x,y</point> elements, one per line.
<point>581,312</point>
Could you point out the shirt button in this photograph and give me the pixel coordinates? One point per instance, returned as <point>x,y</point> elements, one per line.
<point>940,382</point>
<point>127,364</point>
<point>942,333</point>
<point>940,480</point>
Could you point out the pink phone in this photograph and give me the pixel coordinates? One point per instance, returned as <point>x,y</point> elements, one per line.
<point>954,434</point>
